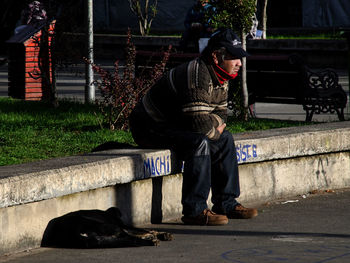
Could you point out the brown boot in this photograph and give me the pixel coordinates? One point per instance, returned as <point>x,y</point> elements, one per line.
<point>207,217</point>
<point>241,212</point>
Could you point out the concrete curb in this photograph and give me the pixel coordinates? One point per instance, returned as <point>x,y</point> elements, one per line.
<point>146,186</point>
<point>37,181</point>
<point>292,142</point>
<point>20,184</point>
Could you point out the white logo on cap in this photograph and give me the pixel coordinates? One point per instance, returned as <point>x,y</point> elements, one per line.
<point>236,42</point>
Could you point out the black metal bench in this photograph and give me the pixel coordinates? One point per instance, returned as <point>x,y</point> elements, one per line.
<point>287,79</point>
<point>323,93</point>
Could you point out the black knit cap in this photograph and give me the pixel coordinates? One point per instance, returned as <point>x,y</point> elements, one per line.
<point>228,39</point>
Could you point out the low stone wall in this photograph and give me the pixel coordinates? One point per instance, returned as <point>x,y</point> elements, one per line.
<point>146,184</point>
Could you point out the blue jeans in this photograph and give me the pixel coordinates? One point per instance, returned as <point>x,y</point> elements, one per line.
<point>213,165</point>
<point>208,163</point>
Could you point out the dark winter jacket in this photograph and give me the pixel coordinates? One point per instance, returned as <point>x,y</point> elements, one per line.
<point>189,97</point>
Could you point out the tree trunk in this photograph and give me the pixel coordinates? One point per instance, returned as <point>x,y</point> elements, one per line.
<point>264,18</point>
<point>261,6</point>
<point>244,79</point>
<point>143,15</point>
<point>47,65</point>
<point>142,30</point>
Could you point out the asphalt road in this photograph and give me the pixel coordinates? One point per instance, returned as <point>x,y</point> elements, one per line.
<point>310,229</point>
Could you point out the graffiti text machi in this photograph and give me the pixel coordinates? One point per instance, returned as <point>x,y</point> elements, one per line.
<point>155,166</point>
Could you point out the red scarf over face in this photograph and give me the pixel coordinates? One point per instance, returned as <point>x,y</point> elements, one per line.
<point>222,74</point>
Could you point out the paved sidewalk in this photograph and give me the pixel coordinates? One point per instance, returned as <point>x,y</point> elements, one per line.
<point>309,229</point>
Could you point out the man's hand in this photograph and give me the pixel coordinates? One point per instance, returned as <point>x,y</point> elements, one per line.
<point>221,128</point>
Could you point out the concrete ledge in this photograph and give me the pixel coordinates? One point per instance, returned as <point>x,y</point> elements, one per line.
<point>292,142</point>
<point>20,184</point>
<point>146,185</point>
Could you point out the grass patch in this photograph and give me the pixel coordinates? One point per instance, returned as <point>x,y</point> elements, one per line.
<point>236,126</point>
<point>32,131</point>
<point>323,36</point>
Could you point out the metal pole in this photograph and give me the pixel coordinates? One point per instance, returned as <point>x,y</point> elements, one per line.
<point>89,74</point>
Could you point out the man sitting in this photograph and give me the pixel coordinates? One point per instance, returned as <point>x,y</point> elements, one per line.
<point>186,111</point>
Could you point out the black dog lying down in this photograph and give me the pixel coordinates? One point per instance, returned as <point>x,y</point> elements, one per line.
<point>98,229</point>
